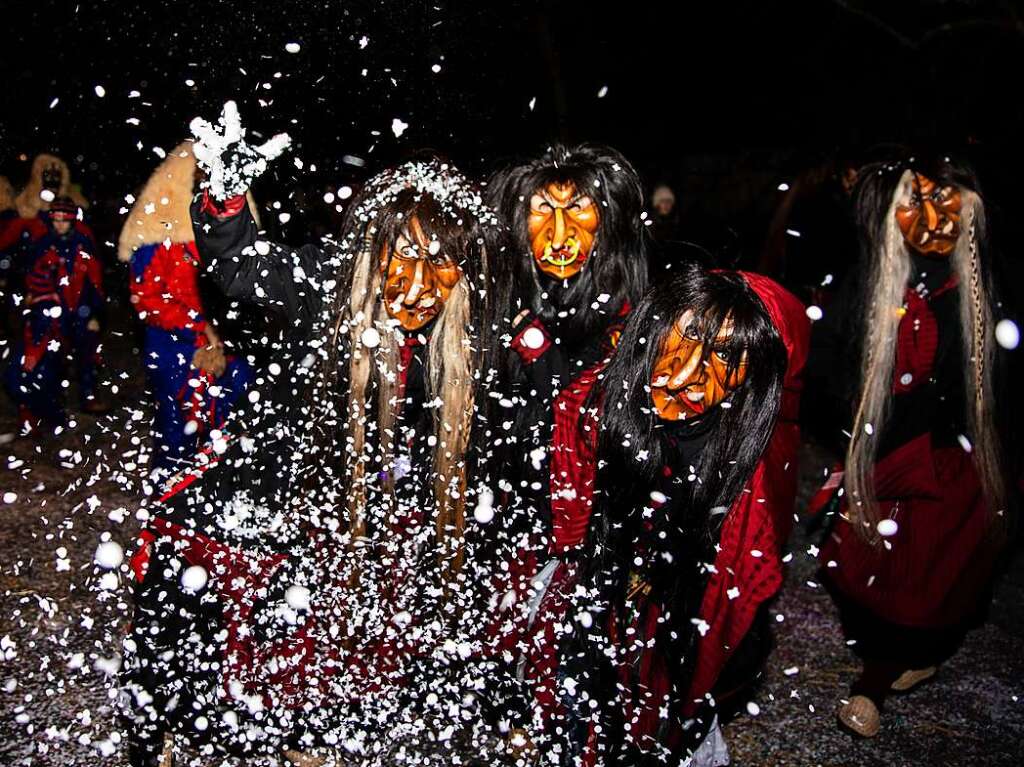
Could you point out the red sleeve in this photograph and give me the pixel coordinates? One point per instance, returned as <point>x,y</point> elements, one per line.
<point>94,273</point>
<point>232,206</point>
<point>41,279</point>
<point>748,566</point>
<point>167,294</point>
<point>30,228</point>
<point>572,463</point>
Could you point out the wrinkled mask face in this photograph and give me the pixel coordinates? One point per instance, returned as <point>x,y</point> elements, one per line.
<point>62,226</point>
<point>52,178</point>
<point>562,226</point>
<point>418,277</point>
<point>686,385</point>
<point>930,218</point>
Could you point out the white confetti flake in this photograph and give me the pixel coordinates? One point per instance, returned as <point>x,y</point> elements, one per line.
<point>815,313</point>
<point>344,192</point>
<point>100,91</point>
<point>297,597</point>
<point>753,709</point>
<point>293,47</point>
<point>398,127</point>
<point>484,511</point>
<point>109,555</point>
<point>10,497</point>
<point>603,92</point>
<point>194,578</point>
<point>1007,334</point>
<point>370,338</point>
<point>887,528</point>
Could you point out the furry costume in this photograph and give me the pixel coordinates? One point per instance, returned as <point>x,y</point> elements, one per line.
<point>192,395</point>
<point>30,202</point>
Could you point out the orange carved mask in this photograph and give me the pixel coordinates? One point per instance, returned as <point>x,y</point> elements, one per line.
<point>562,226</point>
<point>418,277</point>
<point>689,380</point>
<point>930,219</point>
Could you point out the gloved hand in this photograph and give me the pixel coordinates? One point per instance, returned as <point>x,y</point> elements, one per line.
<point>231,165</point>
<point>210,359</point>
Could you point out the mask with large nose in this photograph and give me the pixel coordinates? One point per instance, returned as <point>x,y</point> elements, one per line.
<point>418,277</point>
<point>562,226</point>
<point>930,218</point>
<point>690,379</point>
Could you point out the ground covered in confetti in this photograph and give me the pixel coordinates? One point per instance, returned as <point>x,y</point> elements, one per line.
<point>60,627</point>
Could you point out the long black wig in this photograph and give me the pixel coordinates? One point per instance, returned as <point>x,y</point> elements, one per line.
<point>711,459</point>
<point>617,265</point>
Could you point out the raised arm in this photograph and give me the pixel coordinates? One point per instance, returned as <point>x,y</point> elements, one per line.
<point>245,266</point>
<point>253,270</point>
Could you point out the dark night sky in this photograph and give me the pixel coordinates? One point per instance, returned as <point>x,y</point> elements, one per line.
<point>690,85</point>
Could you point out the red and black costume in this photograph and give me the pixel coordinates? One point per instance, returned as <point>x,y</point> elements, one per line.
<point>322,595</point>
<point>561,334</point>
<point>64,301</point>
<point>909,590</point>
<point>189,402</point>
<point>689,526</point>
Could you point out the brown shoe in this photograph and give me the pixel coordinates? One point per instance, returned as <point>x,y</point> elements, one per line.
<point>302,759</point>
<point>910,679</point>
<point>860,716</point>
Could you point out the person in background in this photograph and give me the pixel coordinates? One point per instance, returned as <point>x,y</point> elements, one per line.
<point>811,241</point>
<point>8,217</point>
<point>665,214</point>
<point>191,376</point>
<point>62,310</point>
<point>906,360</point>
